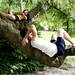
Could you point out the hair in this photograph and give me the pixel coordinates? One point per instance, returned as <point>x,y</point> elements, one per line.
<point>23,32</point>
<point>28,16</point>
<point>25,10</point>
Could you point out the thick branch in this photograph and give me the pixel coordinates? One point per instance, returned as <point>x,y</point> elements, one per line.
<point>70,52</point>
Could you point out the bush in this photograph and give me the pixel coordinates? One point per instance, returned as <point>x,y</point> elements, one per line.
<point>13,61</point>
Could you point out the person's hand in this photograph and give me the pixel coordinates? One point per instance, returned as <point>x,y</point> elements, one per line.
<point>30,35</point>
<point>24,41</point>
<point>73,45</point>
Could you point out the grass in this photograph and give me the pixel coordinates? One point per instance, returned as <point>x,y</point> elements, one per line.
<point>46,34</point>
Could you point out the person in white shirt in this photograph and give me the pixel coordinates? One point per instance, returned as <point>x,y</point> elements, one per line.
<point>49,48</point>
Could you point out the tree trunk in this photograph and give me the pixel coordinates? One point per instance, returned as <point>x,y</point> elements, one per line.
<point>11,34</point>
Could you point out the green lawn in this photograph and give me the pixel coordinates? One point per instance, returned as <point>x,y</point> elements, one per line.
<point>46,34</point>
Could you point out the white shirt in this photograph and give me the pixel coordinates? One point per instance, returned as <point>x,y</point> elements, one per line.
<point>45,46</point>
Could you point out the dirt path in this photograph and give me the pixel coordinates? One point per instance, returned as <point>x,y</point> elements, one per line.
<point>55,71</point>
<point>65,69</point>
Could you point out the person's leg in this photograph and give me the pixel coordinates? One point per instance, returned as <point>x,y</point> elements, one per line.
<point>60,43</point>
<point>9,16</point>
<point>33,31</point>
<point>8,11</point>
<point>62,33</point>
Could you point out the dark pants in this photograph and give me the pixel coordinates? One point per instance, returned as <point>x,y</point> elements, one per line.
<point>60,46</point>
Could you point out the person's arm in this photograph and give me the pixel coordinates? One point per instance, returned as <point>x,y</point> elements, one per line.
<point>31,33</point>
<point>34,32</point>
<point>24,40</point>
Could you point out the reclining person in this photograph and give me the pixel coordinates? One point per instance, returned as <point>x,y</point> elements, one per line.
<point>47,47</point>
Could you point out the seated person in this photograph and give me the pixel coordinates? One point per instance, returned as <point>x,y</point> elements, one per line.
<point>20,16</point>
<point>51,49</point>
<point>21,19</point>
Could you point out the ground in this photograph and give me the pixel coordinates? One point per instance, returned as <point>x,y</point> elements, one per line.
<point>65,69</point>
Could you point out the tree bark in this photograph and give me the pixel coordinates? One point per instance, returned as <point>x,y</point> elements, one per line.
<point>11,34</point>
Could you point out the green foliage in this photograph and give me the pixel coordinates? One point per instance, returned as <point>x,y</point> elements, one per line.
<point>14,61</point>
<point>9,4</point>
<point>69,60</point>
<point>37,24</point>
<point>58,13</point>
<point>54,15</point>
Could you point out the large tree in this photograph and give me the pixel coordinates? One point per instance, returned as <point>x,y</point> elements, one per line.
<point>9,32</point>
